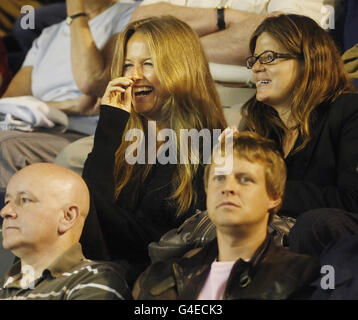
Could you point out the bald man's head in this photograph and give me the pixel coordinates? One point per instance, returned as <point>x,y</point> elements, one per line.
<point>46,204</point>
<point>61,184</point>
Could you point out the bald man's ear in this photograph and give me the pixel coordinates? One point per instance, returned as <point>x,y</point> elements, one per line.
<point>70,215</point>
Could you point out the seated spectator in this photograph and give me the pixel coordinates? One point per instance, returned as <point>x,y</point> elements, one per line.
<point>232,28</point>
<point>71,82</point>
<point>314,124</point>
<point>311,112</point>
<point>160,77</point>
<point>46,208</point>
<point>243,262</point>
<point>225,36</point>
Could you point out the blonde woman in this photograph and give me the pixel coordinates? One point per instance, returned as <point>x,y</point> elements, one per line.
<point>161,80</point>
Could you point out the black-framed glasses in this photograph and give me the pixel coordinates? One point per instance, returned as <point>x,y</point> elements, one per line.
<point>267,57</point>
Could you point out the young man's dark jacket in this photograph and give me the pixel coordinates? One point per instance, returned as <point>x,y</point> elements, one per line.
<point>272,273</point>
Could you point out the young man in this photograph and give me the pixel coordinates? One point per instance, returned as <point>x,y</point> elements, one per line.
<point>46,208</point>
<point>243,262</point>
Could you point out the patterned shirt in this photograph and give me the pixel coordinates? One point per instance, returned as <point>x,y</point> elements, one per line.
<point>69,277</point>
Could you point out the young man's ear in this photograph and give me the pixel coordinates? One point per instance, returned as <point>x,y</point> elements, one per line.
<point>273,203</point>
<point>70,215</point>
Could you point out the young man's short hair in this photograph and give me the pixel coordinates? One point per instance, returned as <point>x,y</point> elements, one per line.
<point>255,148</point>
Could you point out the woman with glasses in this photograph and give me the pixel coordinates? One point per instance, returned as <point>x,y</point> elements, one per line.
<point>306,103</point>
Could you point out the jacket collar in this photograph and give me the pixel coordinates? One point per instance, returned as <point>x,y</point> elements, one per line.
<point>195,270</point>
<point>67,261</point>
<point>64,263</point>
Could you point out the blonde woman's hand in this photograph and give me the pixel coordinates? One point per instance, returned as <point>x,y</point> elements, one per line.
<point>119,94</point>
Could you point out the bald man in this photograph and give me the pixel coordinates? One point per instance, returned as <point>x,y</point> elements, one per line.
<point>45,209</point>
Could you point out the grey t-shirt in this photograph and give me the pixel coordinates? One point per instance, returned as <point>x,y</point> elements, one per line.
<point>50,55</point>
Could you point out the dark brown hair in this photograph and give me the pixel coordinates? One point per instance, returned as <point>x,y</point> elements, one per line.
<point>323,77</point>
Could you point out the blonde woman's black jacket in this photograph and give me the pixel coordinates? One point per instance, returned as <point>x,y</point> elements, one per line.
<point>273,273</point>
<point>122,229</point>
<point>325,173</point>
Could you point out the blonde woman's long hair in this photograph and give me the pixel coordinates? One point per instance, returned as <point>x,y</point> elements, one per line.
<point>193,103</point>
<point>323,78</point>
